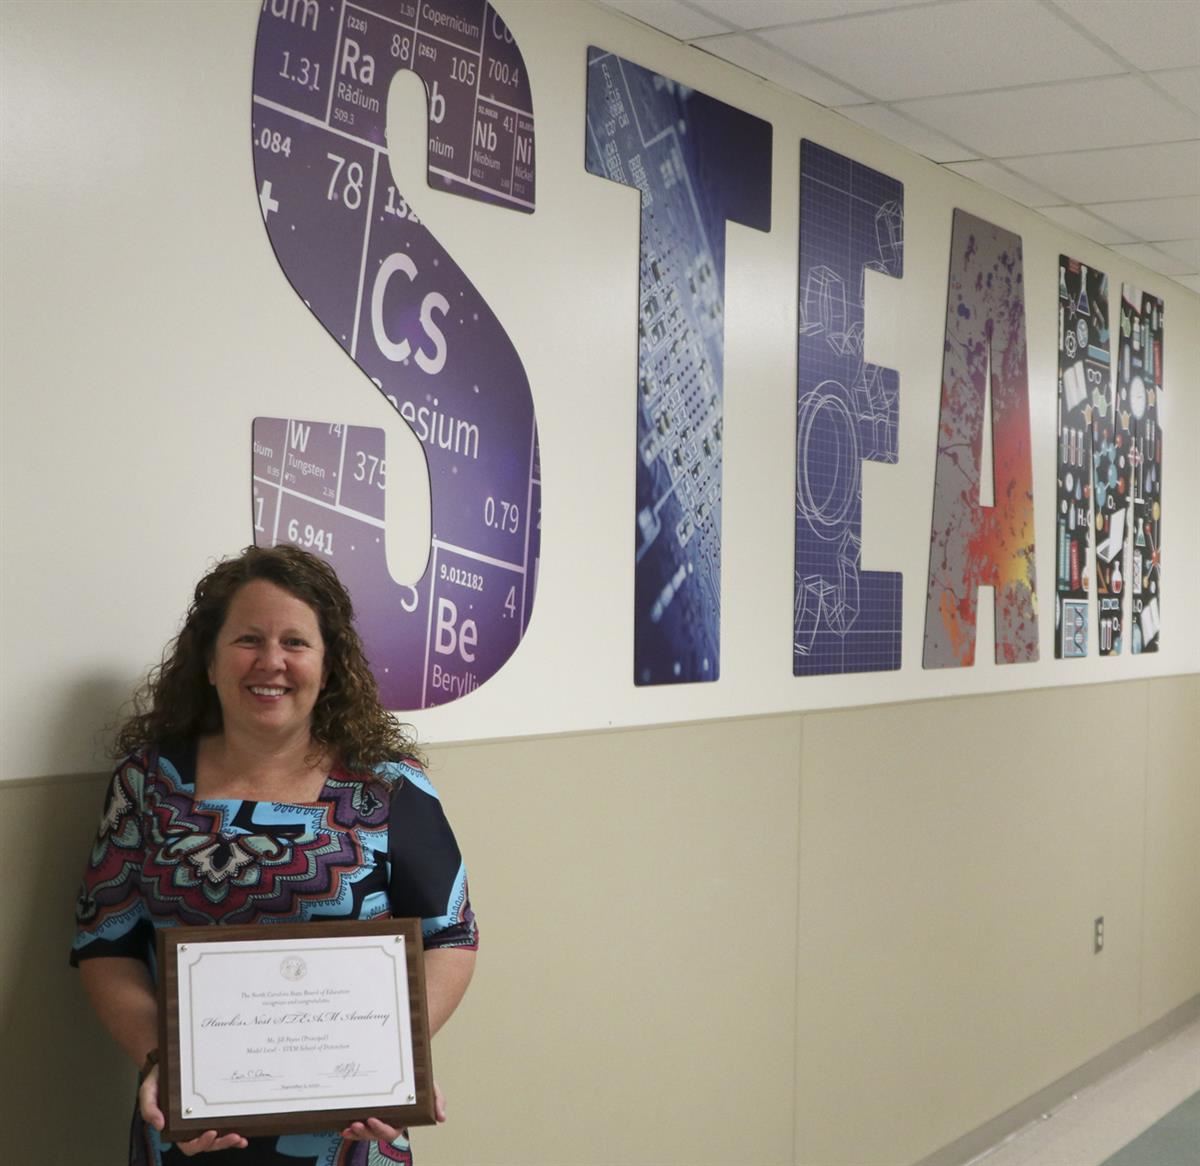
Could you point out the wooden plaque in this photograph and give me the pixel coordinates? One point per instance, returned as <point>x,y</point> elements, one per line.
<point>292,1028</point>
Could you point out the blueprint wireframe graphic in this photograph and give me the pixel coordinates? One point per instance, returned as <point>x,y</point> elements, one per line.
<point>973,544</point>
<point>847,411</point>
<point>697,162</point>
<point>1138,421</point>
<point>1090,492</point>
<point>359,257</point>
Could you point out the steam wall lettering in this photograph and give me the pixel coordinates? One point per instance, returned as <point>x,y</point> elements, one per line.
<point>355,251</point>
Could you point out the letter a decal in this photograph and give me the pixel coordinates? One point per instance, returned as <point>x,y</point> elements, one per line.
<point>974,544</point>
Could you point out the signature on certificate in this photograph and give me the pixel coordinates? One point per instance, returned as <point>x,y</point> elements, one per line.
<point>252,1075</point>
<point>349,1069</point>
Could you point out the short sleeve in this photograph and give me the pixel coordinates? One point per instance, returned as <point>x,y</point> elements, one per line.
<point>427,876</point>
<point>110,915</point>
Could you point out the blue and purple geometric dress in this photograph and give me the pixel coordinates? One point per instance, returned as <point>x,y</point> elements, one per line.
<point>366,849</point>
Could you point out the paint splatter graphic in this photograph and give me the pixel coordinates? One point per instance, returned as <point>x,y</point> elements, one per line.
<point>974,545</point>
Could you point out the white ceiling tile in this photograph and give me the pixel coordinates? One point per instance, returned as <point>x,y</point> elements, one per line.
<point>1189,281</point>
<point>762,60</point>
<point>1116,175</point>
<point>899,129</point>
<point>1182,84</point>
<point>766,13</point>
<point>1047,119</point>
<point>919,52</point>
<point>1084,224</point>
<point>1150,34</point>
<point>1185,250</point>
<point>1010,185</point>
<point>1152,258</point>
<point>1153,219</point>
<point>670,16</point>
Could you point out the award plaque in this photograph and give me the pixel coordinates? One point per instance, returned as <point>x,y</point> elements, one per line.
<point>292,1028</point>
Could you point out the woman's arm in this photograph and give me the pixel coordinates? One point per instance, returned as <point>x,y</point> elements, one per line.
<point>448,971</point>
<point>122,996</point>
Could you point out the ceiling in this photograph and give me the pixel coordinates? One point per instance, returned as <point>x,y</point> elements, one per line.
<point>1086,110</point>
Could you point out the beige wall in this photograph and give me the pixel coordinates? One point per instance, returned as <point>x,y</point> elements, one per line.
<point>833,939</point>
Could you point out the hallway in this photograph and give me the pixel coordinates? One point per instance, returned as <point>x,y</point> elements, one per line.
<point>1104,1124</point>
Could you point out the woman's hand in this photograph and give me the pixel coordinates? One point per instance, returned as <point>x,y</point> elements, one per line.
<point>153,1116</point>
<point>373,1130</point>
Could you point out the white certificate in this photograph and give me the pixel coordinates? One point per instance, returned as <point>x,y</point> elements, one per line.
<point>270,1026</point>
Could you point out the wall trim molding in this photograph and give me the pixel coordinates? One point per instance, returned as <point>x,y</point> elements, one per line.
<point>433,745</point>
<point>973,1146</point>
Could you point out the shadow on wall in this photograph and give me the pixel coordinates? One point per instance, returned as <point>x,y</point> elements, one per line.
<point>58,1059</point>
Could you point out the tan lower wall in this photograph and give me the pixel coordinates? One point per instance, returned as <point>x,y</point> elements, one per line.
<point>835,939</point>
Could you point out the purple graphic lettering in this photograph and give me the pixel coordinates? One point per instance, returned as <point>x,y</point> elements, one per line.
<point>698,164</point>
<point>355,251</point>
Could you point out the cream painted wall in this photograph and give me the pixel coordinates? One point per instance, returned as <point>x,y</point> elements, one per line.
<point>146,323</point>
<point>952,862</point>
<point>842,938</point>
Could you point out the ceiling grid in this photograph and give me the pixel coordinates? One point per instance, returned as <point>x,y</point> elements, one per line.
<point>1013,113</point>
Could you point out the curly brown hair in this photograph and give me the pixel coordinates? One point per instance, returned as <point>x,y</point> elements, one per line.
<point>176,700</point>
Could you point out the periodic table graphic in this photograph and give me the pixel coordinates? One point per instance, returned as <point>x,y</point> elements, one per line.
<point>356,252</point>
<point>847,411</point>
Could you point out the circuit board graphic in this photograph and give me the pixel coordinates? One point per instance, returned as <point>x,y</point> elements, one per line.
<point>697,162</point>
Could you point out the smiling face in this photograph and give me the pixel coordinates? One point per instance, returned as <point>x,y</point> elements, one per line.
<point>268,662</point>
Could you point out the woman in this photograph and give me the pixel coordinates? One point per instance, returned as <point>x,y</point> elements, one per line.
<point>263,782</point>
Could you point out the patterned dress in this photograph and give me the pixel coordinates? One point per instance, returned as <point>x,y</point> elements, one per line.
<point>363,850</point>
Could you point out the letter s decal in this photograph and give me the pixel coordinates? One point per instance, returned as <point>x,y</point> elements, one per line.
<point>357,254</point>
